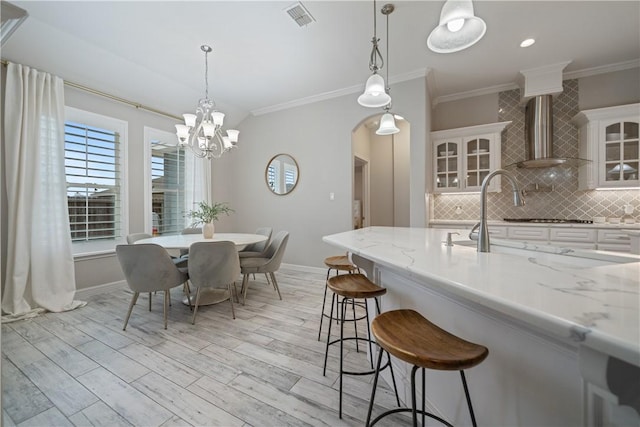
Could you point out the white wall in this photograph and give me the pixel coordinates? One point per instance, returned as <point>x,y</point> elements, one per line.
<point>318,136</point>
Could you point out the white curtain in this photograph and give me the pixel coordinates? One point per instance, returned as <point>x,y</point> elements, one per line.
<point>40,270</point>
<point>197,184</point>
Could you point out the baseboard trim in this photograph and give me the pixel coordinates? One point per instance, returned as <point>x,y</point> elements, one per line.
<point>99,289</point>
<point>305,268</point>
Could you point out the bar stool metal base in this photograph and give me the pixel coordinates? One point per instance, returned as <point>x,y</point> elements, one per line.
<point>343,304</point>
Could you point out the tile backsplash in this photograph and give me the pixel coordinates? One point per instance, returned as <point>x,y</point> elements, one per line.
<point>565,200</point>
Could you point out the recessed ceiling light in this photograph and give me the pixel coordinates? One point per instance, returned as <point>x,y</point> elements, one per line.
<point>527,42</point>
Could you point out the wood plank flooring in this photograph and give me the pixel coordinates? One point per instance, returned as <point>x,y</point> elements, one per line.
<point>262,369</point>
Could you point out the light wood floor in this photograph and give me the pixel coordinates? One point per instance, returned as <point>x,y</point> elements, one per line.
<point>262,369</point>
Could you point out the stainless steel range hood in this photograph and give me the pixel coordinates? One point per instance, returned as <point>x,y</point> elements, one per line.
<point>538,130</point>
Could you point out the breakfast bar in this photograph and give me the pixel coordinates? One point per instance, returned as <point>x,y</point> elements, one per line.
<point>562,325</point>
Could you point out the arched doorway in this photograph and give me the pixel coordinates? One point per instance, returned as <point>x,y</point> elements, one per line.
<point>381,173</point>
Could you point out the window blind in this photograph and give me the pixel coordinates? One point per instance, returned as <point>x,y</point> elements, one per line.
<point>92,165</point>
<point>168,192</point>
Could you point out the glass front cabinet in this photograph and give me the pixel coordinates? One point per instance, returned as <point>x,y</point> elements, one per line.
<point>609,138</point>
<point>463,157</point>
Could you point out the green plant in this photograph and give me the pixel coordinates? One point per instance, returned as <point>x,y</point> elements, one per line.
<point>207,213</point>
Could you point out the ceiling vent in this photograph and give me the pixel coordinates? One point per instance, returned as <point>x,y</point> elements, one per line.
<point>300,14</point>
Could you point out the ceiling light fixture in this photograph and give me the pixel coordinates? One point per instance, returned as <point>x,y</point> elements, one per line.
<point>202,132</point>
<point>375,94</point>
<point>527,42</point>
<point>387,122</point>
<point>458,29</point>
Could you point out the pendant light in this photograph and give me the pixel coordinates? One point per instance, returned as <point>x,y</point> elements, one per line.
<point>387,121</point>
<point>374,95</point>
<point>458,29</point>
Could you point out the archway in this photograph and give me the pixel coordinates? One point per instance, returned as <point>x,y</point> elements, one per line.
<point>380,174</point>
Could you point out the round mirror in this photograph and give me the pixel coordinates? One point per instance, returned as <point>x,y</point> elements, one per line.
<point>281,174</point>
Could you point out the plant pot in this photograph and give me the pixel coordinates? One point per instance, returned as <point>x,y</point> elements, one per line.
<point>208,230</point>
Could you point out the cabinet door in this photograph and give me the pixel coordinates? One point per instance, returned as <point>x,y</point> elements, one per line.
<point>447,166</point>
<point>619,154</point>
<point>528,233</point>
<point>478,154</point>
<point>585,235</point>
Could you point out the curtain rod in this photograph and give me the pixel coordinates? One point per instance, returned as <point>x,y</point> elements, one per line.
<point>112,97</point>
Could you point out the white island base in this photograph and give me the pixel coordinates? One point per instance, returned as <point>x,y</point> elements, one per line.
<point>542,369</point>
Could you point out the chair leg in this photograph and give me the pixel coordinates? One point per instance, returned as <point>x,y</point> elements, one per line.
<point>133,302</point>
<point>188,290</point>
<point>324,300</point>
<point>233,312</point>
<point>245,286</point>
<point>275,284</point>
<point>373,389</point>
<point>334,298</point>
<point>195,309</point>
<point>466,393</point>
<point>165,306</point>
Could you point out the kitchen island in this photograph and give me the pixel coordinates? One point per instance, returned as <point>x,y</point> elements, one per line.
<point>560,327</point>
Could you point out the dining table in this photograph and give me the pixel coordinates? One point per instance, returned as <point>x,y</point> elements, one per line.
<point>184,241</point>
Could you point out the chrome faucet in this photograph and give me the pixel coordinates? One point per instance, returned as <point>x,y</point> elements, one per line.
<point>483,232</point>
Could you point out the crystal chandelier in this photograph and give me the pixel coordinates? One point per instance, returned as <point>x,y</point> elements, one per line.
<point>374,94</point>
<point>202,131</point>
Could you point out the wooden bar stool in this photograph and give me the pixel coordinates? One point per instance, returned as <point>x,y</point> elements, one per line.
<point>412,338</point>
<point>338,263</point>
<point>350,287</point>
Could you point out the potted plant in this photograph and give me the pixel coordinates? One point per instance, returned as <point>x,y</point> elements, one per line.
<point>206,214</point>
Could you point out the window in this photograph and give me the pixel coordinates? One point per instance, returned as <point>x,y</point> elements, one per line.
<point>167,187</point>
<point>94,165</point>
<point>166,195</point>
<point>271,177</point>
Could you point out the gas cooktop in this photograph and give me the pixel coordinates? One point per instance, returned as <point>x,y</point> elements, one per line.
<point>550,220</point>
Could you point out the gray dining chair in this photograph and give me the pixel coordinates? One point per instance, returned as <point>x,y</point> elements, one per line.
<point>184,253</point>
<point>147,268</point>
<point>257,249</point>
<point>213,265</point>
<point>268,264</point>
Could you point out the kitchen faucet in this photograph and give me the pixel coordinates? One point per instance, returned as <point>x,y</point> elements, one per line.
<point>483,232</point>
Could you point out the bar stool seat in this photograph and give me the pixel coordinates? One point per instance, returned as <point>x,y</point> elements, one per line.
<point>339,263</point>
<point>355,286</point>
<point>351,287</point>
<point>407,335</point>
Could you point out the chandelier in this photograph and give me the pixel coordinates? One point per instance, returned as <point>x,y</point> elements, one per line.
<point>202,131</point>
<point>375,94</point>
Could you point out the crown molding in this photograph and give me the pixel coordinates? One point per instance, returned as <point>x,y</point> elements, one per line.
<point>610,68</point>
<point>475,92</point>
<point>587,72</point>
<point>336,93</point>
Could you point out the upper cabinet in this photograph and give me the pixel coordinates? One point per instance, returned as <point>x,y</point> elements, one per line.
<point>463,157</point>
<point>609,138</point>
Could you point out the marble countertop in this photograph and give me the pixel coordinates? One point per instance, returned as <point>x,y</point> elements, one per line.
<point>588,297</point>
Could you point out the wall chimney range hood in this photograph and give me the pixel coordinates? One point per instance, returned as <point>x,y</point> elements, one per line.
<point>540,85</point>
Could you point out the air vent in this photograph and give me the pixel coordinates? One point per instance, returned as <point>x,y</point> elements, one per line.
<point>299,14</point>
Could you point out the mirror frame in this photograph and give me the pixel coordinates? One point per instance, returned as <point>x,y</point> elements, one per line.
<point>266,174</point>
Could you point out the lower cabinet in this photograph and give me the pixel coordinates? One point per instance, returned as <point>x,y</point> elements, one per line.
<point>603,239</point>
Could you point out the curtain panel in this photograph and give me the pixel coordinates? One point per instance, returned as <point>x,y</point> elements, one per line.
<point>40,269</point>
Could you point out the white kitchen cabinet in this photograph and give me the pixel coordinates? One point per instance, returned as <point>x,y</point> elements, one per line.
<point>581,238</point>
<point>613,240</point>
<point>463,157</point>
<point>609,138</point>
<point>528,233</point>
